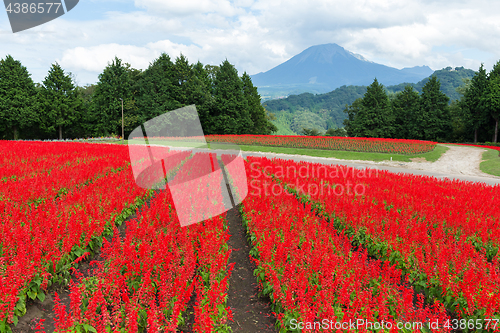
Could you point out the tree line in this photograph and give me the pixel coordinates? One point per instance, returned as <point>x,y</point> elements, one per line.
<point>429,115</point>
<point>58,108</point>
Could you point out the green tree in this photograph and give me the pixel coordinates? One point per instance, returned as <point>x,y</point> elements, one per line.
<point>202,96</point>
<point>373,116</point>
<point>230,110</point>
<point>258,114</point>
<point>212,72</point>
<point>460,131</point>
<point>491,102</point>
<point>471,103</point>
<point>17,97</point>
<point>59,101</point>
<point>351,124</point>
<point>184,81</point>
<point>115,82</point>
<point>85,127</point>
<point>158,93</point>
<point>336,132</point>
<point>433,120</point>
<point>405,106</point>
<point>192,85</point>
<point>311,132</point>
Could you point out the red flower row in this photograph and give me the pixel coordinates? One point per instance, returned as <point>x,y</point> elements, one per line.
<point>39,243</point>
<point>372,145</point>
<point>424,226</point>
<point>148,276</point>
<point>313,274</point>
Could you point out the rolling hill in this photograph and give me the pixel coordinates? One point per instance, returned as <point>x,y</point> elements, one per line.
<point>324,111</point>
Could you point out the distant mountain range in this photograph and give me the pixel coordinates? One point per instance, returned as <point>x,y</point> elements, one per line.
<point>324,111</point>
<point>323,68</point>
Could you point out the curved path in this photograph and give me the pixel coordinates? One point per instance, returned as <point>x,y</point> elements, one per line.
<point>459,162</point>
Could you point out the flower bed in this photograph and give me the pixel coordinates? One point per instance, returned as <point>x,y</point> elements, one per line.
<point>426,227</point>
<point>316,279</point>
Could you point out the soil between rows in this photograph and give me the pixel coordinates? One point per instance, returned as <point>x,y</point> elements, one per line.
<point>251,313</point>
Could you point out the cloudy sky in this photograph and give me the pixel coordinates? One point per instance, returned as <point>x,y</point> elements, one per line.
<point>256,35</point>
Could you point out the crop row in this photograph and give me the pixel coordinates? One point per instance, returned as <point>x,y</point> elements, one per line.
<point>43,237</point>
<point>316,279</point>
<point>372,145</point>
<point>76,200</point>
<point>148,277</point>
<point>424,226</point>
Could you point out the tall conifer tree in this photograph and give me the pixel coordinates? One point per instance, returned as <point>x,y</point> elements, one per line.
<point>376,119</point>
<point>158,88</point>
<point>405,107</point>
<point>474,111</point>
<point>230,111</point>
<point>18,109</point>
<point>59,102</point>
<point>433,119</point>
<point>261,123</point>
<point>114,83</point>
<point>491,98</point>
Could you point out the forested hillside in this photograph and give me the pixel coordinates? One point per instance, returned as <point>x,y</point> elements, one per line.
<point>56,108</point>
<point>450,79</point>
<point>428,115</point>
<point>325,111</point>
<point>306,110</point>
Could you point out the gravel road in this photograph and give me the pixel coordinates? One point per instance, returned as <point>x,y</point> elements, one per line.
<point>459,162</point>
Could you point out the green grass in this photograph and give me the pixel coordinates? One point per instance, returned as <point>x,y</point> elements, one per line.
<point>431,156</point>
<point>491,162</point>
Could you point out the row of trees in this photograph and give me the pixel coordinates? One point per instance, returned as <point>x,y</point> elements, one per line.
<point>226,103</point>
<point>429,115</point>
<point>481,102</point>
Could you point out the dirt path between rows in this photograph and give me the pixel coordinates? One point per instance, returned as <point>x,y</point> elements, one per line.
<point>251,313</point>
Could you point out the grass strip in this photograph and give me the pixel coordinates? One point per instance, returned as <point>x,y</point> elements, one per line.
<point>491,162</point>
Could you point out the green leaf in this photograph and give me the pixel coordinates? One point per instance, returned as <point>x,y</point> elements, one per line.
<point>31,294</point>
<point>89,328</point>
<point>41,296</point>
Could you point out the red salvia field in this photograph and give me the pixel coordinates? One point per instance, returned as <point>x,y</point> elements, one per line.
<point>406,147</point>
<point>397,146</point>
<point>335,249</point>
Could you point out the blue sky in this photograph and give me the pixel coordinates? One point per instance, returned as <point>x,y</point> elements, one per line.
<point>256,35</point>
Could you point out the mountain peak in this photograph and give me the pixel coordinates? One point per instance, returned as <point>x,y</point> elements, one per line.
<point>325,53</point>
<point>323,68</point>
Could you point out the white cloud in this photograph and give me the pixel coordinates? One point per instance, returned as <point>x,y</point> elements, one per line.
<point>96,58</point>
<point>257,35</point>
<point>189,7</point>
